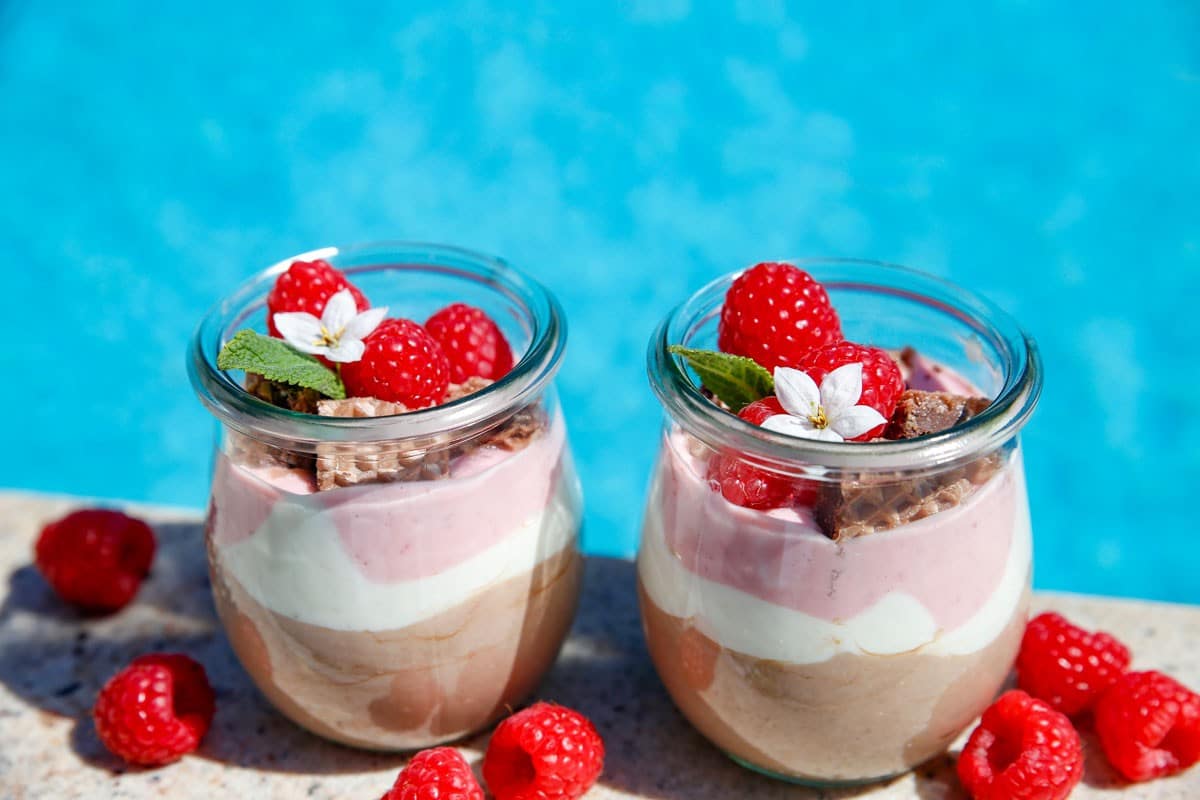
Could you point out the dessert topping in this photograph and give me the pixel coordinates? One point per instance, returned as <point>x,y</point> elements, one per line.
<point>735,381</point>
<point>745,485</point>
<point>155,710</point>
<point>1022,749</point>
<point>441,773</point>
<point>776,313</point>
<point>546,752</point>
<point>277,361</point>
<point>881,383</point>
<point>832,412</point>
<point>95,558</point>
<point>339,332</point>
<point>1149,725</point>
<point>919,413</point>
<point>1067,666</point>
<point>402,363</point>
<point>472,342</point>
<point>307,286</point>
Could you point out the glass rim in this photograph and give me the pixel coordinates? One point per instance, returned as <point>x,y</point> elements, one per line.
<point>458,419</point>
<point>1008,412</point>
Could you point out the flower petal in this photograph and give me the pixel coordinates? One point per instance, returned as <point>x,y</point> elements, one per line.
<point>841,388</point>
<point>856,420</point>
<point>362,324</point>
<point>799,427</point>
<point>346,350</point>
<point>339,310</point>
<point>301,330</point>
<point>797,392</point>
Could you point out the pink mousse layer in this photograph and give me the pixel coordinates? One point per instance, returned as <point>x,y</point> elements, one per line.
<point>951,562</point>
<point>381,526</point>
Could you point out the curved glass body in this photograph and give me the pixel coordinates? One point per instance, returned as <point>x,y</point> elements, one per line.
<point>850,637</point>
<point>394,582</point>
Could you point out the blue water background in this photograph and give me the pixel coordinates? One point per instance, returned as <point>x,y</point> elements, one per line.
<point>1045,155</point>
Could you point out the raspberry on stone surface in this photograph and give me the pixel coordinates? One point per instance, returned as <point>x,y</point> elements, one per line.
<point>1067,666</point>
<point>1022,750</point>
<point>545,752</point>
<point>95,559</point>
<point>155,710</point>
<point>1149,725</point>
<point>439,773</point>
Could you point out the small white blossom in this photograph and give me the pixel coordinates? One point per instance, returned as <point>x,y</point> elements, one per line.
<point>337,335</point>
<point>829,413</point>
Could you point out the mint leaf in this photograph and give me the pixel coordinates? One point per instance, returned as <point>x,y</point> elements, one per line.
<point>276,360</point>
<point>736,380</point>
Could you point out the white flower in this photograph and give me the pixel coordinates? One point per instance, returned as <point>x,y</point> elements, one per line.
<point>337,335</point>
<point>830,413</point>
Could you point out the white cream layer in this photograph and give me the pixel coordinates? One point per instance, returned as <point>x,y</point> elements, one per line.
<point>295,565</point>
<point>897,623</point>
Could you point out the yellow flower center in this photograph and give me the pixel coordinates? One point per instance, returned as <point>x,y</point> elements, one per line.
<point>819,420</point>
<point>329,338</point>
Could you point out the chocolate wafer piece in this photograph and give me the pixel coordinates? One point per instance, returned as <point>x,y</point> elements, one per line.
<point>284,395</point>
<point>864,503</point>
<point>352,463</point>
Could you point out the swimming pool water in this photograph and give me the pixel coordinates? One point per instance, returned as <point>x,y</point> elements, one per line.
<point>624,154</point>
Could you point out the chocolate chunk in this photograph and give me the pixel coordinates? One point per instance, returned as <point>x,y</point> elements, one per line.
<point>920,413</point>
<point>283,395</point>
<point>520,429</point>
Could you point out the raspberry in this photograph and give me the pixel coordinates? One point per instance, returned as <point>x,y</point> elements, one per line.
<point>472,342</point>
<point>546,752</point>
<point>440,773</point>
<point>1022,750</point>
<point>882,383</point>
<point>1067,666</point>
<point>307,286</point>
<point>95,558</point>
<point>402,363</point>
<point>775,313</point>
<point>745,485</point>
<point>1149,725</point>
<point>155,710</point>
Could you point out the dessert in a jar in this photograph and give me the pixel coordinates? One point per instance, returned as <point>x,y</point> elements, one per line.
<point>835,562</point>
<point>392,528</point>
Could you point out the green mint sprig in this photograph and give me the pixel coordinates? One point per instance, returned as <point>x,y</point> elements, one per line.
<point>737,381</point>
<point>276,360</point>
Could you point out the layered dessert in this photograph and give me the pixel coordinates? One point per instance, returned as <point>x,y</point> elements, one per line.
<point>826,624</point>
<point>390,593</point>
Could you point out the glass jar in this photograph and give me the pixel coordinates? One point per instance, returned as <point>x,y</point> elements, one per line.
<point>852,638</point>
<point>393,582</point>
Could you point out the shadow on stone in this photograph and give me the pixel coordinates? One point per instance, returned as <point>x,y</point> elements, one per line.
<point>56,660</point>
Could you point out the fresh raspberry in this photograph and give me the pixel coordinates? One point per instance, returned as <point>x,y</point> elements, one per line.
<point>1067,666</point>
<point>95,558</point>
<point>402,363</point>
<point>1149,725</point>
<point>882,382</point>
<point>745,485</point>
<point>1022,750</point>
<point>307,286</point>
<point>775,313</point>
<point>155,710</point>
<point>440,773</point>
<point>472,342</point>
<point>546,752</point>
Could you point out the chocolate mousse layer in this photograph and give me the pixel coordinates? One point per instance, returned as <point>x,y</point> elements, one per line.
<point>851,718</point>
<point>434,681</point>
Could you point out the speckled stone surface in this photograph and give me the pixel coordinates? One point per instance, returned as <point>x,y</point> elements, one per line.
<point>52,662</point>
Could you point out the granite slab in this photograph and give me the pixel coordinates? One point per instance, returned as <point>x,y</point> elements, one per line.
<point>52,662</point>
